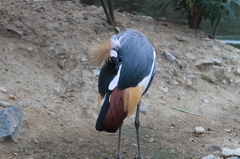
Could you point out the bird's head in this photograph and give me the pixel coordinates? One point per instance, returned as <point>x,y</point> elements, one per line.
<point>104,50</point>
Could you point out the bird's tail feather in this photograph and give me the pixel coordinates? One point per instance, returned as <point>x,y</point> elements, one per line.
<point>100,49</point>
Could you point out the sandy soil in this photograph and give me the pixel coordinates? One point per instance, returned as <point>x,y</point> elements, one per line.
<point>48,68</point>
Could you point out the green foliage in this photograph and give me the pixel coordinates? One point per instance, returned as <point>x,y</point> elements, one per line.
<point>214,10</point>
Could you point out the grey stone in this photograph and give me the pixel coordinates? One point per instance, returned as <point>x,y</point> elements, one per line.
<point>37,8</point>
<point>205,100</point>
<point>143,110</point>
<point>56,90</point>
<point>169,56</point>
<point>20,104</point>
<point>226,152</point>
<point>4,104</point>
<point>180,38</point>
<point>150,28</point>
<point>29,49</point>
<point>208,43</point>
<point>209,157</point>
<point>233,158</point>
<point>96,72</point>
<point>4,90</point>
<point>10,123</point>
<point>118,29</point>
<point>15,31</point>
<point>174,53</point>
<point>214,148</point>
<point>208,62</point>
<point>209,76</point>
<point>199,130</point>
<point>236,152</point>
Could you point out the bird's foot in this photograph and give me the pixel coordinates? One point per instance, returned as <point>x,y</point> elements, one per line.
<point>119,156</point>
<point>138,157</point>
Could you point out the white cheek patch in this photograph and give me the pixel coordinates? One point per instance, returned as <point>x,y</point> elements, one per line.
<point>113,53</point>
<point>114,82</point>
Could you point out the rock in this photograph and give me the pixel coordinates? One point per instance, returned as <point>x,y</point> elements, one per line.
<point>236,152</point>
<point>233,158</point>
<point>226,152</point>
<point>180,38</point>
<point>209,76</point>
<point>37,8</point>
<point>56,90</point>
<point>208,43</point>
<point>237,72</point>
<point>84,58</point>
<point>200,130</point>
<point>174,53</point>
<point>214,148</point>
<point>96,72</point>
<point>143,110</point>
<point>182,66</point>
<point>4,104</point>
<point>134,145</point>
<point>211,61</point>
<point>61,64</point>
<point>205,100</point>
<point>150,28</point>
<point>209,157</point>
<point>29,49</point>
<point>10,123</point>
<point>35,141</point>
<point>169,56</point>
<point>174,82</point>
<point>164,89</point>
<point>15,31</point>
<point>151,140</point>
<point>20,104</point>
<point>118,29</point>
<point>3,90</point>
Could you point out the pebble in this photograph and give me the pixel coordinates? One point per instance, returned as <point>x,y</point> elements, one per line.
<point>5,104</point>
<point>214,148</point>
<point>236,152</point>
<point>226,152</point>
<point>209,157</point>
<point>15,31</point>
<point>84,58</point>
<point>200,130</point>
<point>169,56</point>
<point>238,71</point>
<point>3,89</point>
<point>205,100</point>
<point>189,82</point>
<point>29,49</point>
<point>35,141</point>
<point>208,43</point>
<point>208,61</point>
<point>180,38</point>
<point>96,72</point>
<point>134,145</point>
<point>150,28</point>
<point>164,89</point>
<point>56,90</point>
<point>151,140</point>
<point>20,104</point>
<point>118,29</point>
<point>143,110</point>
<point>182,66</point>
<point>174,53</point>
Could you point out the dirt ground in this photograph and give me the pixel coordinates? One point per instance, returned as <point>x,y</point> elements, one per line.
<point>44,48</point>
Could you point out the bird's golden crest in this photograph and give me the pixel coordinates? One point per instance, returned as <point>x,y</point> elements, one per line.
<point>100,49</point>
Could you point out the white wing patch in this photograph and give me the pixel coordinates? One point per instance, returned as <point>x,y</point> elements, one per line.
<point>146,80</point>
<point>115,80</point>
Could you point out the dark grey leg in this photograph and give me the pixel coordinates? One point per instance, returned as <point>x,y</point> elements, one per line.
<point>119,143</point>
<point>137,125</point>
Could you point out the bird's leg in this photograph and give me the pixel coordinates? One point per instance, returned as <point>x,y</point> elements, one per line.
<point>137,125</point>
<point>119,143</point>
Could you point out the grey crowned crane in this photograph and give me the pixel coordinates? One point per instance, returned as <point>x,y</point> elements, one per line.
<point>129,68</point>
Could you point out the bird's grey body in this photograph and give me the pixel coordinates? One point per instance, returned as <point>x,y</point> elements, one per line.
<point>123,79</point>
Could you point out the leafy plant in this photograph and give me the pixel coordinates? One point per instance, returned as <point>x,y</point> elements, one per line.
<point>196,10</point>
